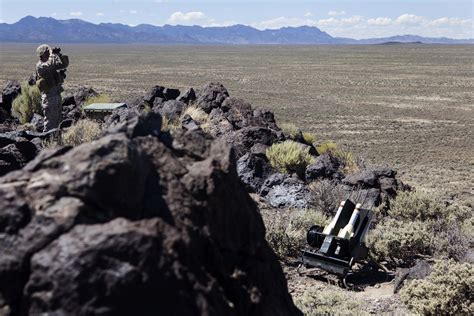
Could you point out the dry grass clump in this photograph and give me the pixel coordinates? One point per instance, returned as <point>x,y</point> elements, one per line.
<point>315,302</point>
<point>196,114</point>
<point>100,98</point>
<point>286,230</point>
<point>289,129</point>
<point>400,242</point>
<point>448,290</point>
<point>309,138</point>
<point>82,132</point>
<point>289,157</point>
<point>27,103</point>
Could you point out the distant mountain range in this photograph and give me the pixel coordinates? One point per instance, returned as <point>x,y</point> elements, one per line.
<point>49,30</point>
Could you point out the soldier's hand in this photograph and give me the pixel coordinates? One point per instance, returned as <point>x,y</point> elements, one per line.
<point>56,50</point>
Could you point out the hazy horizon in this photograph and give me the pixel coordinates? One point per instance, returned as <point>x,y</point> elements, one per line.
<point>340,18</point>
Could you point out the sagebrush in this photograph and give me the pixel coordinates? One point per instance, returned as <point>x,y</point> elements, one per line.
<point>286,230</point>
<point>314,302</point>
<point>27,103</point>
<point>448,290</point>
<point>400,242</point>
<point>289,157</point>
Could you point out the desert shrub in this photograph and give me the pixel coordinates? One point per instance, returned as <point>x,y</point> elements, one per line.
<point>467,228</point>
<point>328,302</point>
<point>82,132</point>
<point>289,129</point>
<point>448,290</point>
<point>400,242</point>
<point>27,103</point>
<point>289,157</point>
<point>448,239</point>
<point>415,206</point>
<point>286,230</point>
<point>100,98</point>
<point>309,138</point>
<point>326,196</point>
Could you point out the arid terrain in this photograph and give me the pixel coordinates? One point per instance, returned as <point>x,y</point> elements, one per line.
<point>407,106</point>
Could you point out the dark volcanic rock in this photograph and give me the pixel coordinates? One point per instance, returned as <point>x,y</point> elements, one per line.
<point>128,225</point>
<point>189,124</point>
<point>247,137</point>
<point>325,166</point>
<point>403,276</point>
<point>211,96</point>
<point>171,94</point>
<point>11,90</point>
<point>285,191</point>
<point>155,92</point>
<point>171,109</point>
<point>69,100</point>
<point>253,169</point>
<point>38,121</point>
<point>188,96</point>
<point>82,94</point>
<point>15,152</point>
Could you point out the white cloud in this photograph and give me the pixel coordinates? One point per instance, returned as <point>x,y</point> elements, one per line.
<point>382,21</point>
<point>133,11</point>
<point>99,14</point>
<point>180,17</point>
<point>360,27</point>
<point>445,21</point>
<point>282,21</point>
<point>160,1</point>
<point>54,14</point>
<point>353,20</point>
<point>409,19</point>
<point>336,13</point>
<point>308,14</point>
<point>75,13</point>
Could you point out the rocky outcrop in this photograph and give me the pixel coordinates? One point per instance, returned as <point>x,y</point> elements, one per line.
<point>211,96</point>
<point>15,151</point>
<point>129,224</point>
<point>373,186</point>
<point>11,90</point>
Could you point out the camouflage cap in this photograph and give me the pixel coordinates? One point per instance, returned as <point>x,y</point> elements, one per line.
<point>42,49</point>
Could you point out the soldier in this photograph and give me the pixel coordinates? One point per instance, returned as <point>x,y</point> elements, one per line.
<point>50,74</point>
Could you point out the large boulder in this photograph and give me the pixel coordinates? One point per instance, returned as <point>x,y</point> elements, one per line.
<point>130,225</point>
<point>211,96</point>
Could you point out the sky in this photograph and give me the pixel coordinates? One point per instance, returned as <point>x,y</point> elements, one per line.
<point>341,18</point>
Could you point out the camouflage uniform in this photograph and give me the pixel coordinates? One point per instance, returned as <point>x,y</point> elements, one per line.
<point>49,82</point>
